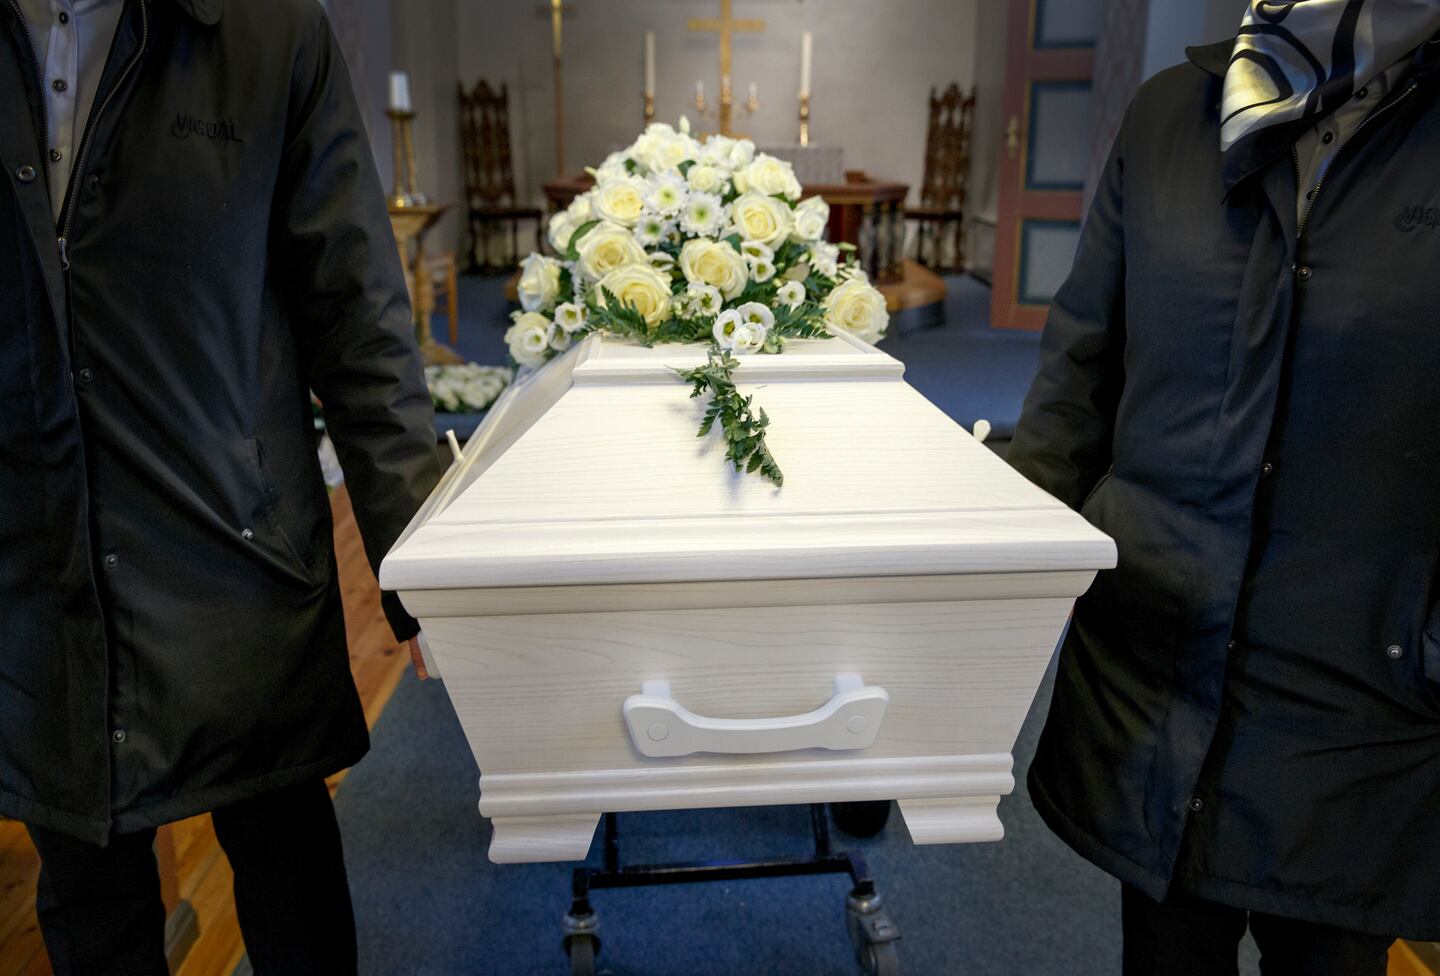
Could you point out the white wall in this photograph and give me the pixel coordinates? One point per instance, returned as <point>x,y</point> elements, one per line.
<point>1177,24</point>
<point>424,44</point>
<point>874,65</point>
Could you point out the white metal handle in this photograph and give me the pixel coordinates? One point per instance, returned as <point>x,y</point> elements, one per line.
<point>663,728</point>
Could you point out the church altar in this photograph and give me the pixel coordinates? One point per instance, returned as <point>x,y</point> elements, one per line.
<point>624,623</point>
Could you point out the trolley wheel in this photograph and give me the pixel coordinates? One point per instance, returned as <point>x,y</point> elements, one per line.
<point>862,819</point>
<point>880,959</point>
<point>582,949</point>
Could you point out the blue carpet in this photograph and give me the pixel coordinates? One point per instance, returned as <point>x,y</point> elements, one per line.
<point>429,902</point>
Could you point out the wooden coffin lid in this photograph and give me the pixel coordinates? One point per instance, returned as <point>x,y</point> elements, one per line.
<point>589,472</point>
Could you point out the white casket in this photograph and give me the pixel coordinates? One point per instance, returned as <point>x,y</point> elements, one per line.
<point>624,623</point>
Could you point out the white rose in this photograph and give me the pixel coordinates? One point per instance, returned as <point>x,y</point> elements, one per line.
<point>714,263</point>
<point>741,152</point>
<point>812,216</point>
<point>607,247</point>
<point>792,293</point>
<point>613,168</point>
<point>770,176</point>
<point>642,286</point>
<point>620,201</point>
<point>539,283</point>
<point>529,339</point>
<point>857,308</point>
<point>716,150</point>
<point>757,217</point>
<point>825,258</point>
<point>582,208</point>
<point>661,148</point>
<point>704,178</point>
<point>562,227</point>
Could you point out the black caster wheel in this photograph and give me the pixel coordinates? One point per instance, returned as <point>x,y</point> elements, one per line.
<point>582,949</point>
<point>880,959</point>
<point>863,819</point>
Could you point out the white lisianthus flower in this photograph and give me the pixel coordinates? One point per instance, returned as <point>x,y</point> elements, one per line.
<point>755,313</point>
<point>607,247</point>
<point>812,216</point>
<point>825,259</point>
<point>857,308</point>
<point>725,326</point>
<point>539,283</point>
<point>704,299</point>
<point>703,214</point>
<point>642,286</point>
<point>792,293</point>
<point>650,230</point>
<point>569,317</point>
<point>748,338</point>
<point>705,178</point>
<point>762,271</point>
<point>667,194</point>
<point>757,217</point>
<point>770,176</point>
<point>662,262</point>
<point>560,340</point>
<point>715,263</point>
<point>756,251</point>
<point>620,201</point>
<point>529,338</point>
<point>561,228</point>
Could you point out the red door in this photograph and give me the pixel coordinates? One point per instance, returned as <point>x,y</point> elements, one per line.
<point>1045,153</point>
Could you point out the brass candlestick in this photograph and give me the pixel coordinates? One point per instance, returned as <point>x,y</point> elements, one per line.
<point>649,109</point>
<point>407,191</point>
<point>804,119</point>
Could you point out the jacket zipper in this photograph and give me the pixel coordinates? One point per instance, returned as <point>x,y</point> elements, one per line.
<point>1315,191</point>
<point>40,86</point>
<point>78,170</point>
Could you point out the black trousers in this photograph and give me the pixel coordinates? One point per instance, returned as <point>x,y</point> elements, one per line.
<point>1185,936</point>
<point>100,909</point>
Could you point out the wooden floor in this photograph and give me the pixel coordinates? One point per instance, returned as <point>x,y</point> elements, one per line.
<point>203,873</point>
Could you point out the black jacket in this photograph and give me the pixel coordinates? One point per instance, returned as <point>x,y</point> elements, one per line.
<point>1243,707</point>
<point>172,632</point>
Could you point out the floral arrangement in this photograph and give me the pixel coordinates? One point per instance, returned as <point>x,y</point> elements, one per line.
<point>466,388</point>
<point>683,240</point>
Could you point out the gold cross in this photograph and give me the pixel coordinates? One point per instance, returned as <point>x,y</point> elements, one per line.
<point>726,27</point>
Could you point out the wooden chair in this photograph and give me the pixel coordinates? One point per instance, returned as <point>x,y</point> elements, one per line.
<point>941,212</point>
<point>489,174</point>
<point>444,279</point>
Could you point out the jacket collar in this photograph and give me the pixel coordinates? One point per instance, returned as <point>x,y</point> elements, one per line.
<point>1212,58</point>
<point>206,12</point>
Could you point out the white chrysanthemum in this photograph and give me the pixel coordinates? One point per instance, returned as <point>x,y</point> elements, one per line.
<point>667,194</point>
<point>569,317</point>
<point>650,230</point>
<point>756,251</point>
<point>792,293</point>
<point>825,259</point>
<point>762,271</point>
<point>529,338</point>
<point>703,215</point>
<point>705,299</point>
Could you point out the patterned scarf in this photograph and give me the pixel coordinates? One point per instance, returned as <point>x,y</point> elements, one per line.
<point>1303,58</point>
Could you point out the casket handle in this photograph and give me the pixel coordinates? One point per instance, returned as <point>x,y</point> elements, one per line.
<point>663,728</point>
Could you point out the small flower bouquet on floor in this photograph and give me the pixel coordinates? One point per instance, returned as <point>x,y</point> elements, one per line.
<point>690,241</point>
<point>468,388</point>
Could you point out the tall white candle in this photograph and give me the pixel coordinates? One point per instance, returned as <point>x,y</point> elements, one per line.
<point>805,43</point>
<point>399,91</point>
<point>650,63</point>
<point>754,92</point>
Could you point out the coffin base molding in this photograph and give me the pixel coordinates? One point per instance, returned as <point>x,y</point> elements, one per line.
<point>553,816</point>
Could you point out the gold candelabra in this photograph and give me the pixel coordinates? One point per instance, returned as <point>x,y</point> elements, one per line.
<point>726,113</point>
<point>805,119</point>
<point>407,191</point>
